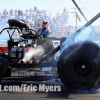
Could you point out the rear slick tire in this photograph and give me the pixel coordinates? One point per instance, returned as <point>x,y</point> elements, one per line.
<point>79,65</point>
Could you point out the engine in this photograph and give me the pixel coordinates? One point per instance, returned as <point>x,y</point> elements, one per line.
<point>35,50</point>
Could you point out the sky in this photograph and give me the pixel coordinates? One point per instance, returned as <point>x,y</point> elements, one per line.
<point>89,7</point>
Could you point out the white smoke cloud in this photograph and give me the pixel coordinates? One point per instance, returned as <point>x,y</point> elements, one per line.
<point>33,52</point>
<point>83,35</point>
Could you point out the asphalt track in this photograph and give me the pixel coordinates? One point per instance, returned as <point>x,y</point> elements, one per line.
<point>64,94</point>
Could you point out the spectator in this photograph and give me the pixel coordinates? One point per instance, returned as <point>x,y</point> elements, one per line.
<point>35,8</point>
<point>16,13</point>
<point>64,10</point>
<point>4,13</point>
<point>11,12</point>
<point>45,30</point>
<point>30,10</point>
<point>34,17</point>
<point>63,31</point>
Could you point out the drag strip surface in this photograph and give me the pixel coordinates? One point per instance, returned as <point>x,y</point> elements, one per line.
<point>64,94</point>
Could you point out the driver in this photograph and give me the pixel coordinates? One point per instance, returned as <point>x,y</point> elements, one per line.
<point>45,30</point>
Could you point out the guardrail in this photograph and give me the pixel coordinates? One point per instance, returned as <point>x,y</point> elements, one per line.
<point>59,33</point>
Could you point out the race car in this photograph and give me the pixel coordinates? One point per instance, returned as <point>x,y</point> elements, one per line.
<point>30,58</point>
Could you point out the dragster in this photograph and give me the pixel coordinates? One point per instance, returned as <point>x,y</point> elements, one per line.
<point>78,65</point>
